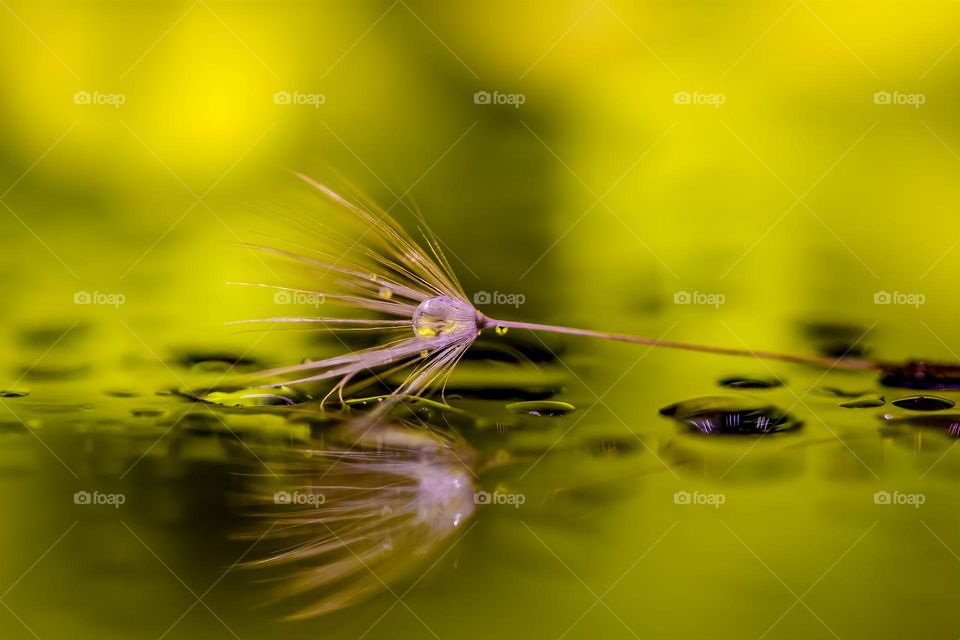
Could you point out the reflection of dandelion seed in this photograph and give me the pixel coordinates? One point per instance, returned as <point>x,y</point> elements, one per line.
<point>417,303</point>
<point>389,502</point>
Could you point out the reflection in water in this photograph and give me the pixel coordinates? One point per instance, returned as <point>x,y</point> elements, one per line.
<point>922,375</point>
<point>351,516</point>
<point>728,414</point>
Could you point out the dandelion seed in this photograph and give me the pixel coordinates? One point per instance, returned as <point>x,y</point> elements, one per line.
<point>409,295</point>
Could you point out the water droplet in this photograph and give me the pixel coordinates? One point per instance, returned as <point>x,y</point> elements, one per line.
<point>866,401</point>
<point>922,375</point>
<point>923,403</point>
<point>385,293</point>
<point>501,331</point>
<point>730,415</point>
<point>542,408</point>
<point>444,317</point>
<point>751,382</point>
<point>13,393</point>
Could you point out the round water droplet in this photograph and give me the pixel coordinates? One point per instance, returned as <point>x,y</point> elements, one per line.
<point>866,401</point>
<point>751,382</point>
<point>444,317</point>
<point>542,408</point>
<point>923,403</point>
<point>730,415</point>
<point>501,331</point>
<point>385,293</point>
<point>13,393</point>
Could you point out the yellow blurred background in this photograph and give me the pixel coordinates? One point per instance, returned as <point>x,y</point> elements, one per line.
<point>600,158</point>
<point>138,136</point>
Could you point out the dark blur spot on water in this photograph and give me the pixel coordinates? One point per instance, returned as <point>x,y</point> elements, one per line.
<point>836,340</point>
<point>54,373</point>
<point>11,393</point>
<point>44,337</point>
<point>215,361</point>
<point>120,393</point>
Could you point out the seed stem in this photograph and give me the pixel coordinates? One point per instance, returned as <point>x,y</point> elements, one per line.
<point>830,363</point>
